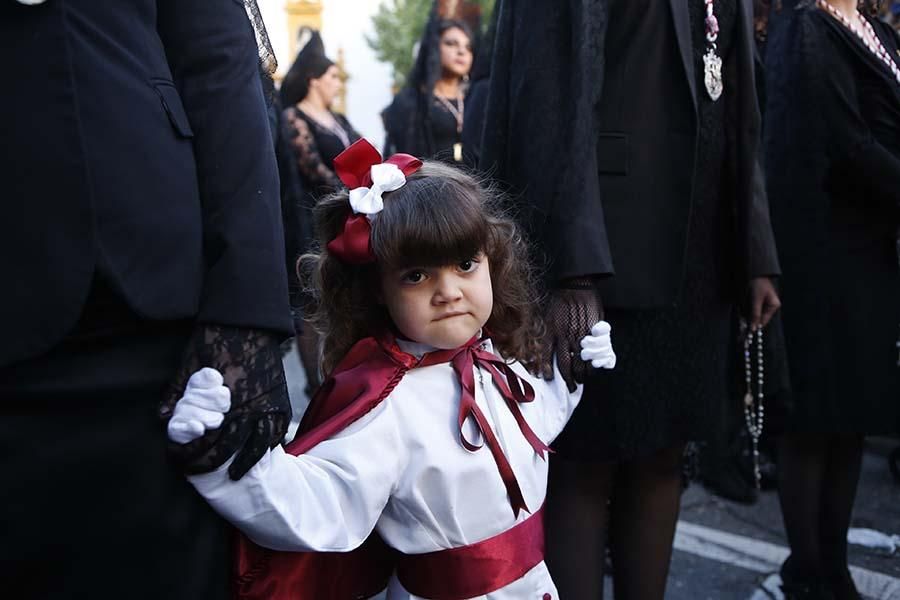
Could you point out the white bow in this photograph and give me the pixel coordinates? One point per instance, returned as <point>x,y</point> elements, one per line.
<point>386,177</point>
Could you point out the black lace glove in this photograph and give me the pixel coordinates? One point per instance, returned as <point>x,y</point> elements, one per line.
<point>571,312</point>
<point>250,362</point>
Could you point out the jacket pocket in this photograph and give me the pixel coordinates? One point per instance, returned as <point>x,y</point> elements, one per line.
<point>171,102</point>
<point>612,153</point>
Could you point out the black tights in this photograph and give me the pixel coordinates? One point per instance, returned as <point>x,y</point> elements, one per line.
<point>634,503</point>
<point>818,475</point>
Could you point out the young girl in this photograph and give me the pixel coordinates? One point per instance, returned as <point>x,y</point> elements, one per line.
<point>422,432</point>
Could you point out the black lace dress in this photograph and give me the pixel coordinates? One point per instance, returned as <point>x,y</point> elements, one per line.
<point>671,382</point>
<point>314,148</point>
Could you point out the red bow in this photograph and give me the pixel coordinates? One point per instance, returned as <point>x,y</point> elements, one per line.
<point>514,390</point>
<point>354,167</point>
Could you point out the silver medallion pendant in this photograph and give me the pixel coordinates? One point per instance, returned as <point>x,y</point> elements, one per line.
<point>712,74</point>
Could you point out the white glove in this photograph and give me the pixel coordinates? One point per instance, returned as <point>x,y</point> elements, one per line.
<point>201,408</point>
<point>597,349</point>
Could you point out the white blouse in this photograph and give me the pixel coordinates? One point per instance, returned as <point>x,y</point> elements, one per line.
<point>402,471</point>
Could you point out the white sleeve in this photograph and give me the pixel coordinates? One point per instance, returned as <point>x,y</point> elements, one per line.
<point>554,404</point>
<point>328,499</point>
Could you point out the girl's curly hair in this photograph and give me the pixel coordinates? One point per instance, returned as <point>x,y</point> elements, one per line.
<point>442,216</point>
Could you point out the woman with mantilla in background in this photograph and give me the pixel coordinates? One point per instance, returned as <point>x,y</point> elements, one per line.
<point>317,135</point>
<point>426,118</point>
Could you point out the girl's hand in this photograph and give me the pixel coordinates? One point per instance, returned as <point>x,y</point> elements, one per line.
<point>201,408</point>
<point>597,349</point>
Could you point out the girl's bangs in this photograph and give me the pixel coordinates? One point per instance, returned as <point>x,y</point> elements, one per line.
<point>429,222</point>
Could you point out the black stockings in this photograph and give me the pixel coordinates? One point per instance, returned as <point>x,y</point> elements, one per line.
<point>633,506</point>
<point>818,475</point>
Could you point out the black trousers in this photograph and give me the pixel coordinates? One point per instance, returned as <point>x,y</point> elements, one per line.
<point>89,505</point>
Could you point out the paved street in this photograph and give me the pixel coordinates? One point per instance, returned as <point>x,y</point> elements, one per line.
<point>727,551</point>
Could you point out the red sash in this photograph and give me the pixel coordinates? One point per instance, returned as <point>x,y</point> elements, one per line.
<point>476,569</point>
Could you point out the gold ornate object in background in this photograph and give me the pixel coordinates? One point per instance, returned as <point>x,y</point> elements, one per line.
<point>300,13</point>
<point>340,103</point>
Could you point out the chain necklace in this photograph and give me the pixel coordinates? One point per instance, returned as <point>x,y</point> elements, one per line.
<point>754,410</point>
<point>712,62</point>
<point>334,127</point>
<point>458,114</point>
<point>875,47</point>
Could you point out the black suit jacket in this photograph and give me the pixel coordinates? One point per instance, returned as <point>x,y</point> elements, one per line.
<point>592,119</point>
<point>136,146</point>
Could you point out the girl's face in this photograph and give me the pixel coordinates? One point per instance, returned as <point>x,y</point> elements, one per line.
<point>328,85</point>
<point>442,307</point>
<point>456,52</point>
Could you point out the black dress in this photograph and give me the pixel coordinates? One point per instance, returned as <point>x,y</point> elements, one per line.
<point>431,132</point>
<point>314,149</point>
<point>833,159</point>
<point>671,382</point>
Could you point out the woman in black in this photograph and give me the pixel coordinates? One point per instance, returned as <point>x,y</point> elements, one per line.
<point>634,169</point>
<point>833,159</point>
<point>317,135</point>
<point>426,117</point>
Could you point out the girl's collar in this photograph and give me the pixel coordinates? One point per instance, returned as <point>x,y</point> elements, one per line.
<point>419,349</point>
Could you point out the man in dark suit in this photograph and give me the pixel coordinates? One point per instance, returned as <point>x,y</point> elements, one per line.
<point>141,238</point>
<point>640,186</point>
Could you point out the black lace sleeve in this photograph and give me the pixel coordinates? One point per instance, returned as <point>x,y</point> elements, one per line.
<point>250,363</point>
<point>309,162</point>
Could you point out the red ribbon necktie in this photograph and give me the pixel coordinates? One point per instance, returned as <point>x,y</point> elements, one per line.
<point>513,388</point>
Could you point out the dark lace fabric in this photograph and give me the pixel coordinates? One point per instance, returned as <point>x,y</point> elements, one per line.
<point>570,314</point>
<point>250,363</point>
<point>315,147</point>
<point>670,383</point>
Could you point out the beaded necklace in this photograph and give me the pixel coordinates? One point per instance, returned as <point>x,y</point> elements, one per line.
<point>754,411</point>
<point>876,47</point>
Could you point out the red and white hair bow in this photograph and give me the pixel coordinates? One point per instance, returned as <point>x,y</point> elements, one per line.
<point>361,169</point>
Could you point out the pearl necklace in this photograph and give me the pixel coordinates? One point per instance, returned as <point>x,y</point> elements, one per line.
<point>876,48</point>
<point>754,411</point>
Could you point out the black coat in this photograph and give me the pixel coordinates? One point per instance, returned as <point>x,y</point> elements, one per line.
<point>592,119</point>
<point>124,156</point>
<point>833,159</point>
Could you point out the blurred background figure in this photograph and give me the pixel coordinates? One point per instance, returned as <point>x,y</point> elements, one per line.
<point>316,134</point>
<point>832,150</point>
<point>426,117</point>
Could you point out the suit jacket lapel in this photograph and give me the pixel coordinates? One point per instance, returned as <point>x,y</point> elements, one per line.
<point>681,19</point>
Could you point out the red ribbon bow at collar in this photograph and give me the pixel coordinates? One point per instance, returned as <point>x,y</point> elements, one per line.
<point>354,167</point>
<point>513,388</point>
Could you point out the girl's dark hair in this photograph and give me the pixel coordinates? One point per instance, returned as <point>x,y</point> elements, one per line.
<point>440,217</point>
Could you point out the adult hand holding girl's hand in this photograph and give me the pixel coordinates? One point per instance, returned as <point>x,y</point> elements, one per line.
<point>201,408</point>
<point>571,311</point>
